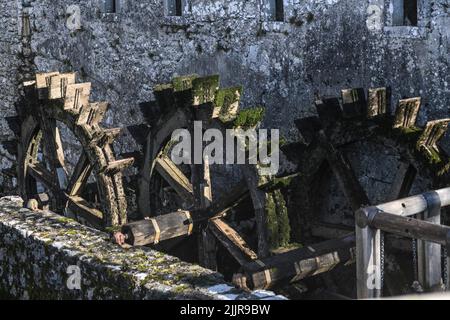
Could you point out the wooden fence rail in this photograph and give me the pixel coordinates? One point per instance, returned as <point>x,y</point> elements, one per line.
<point>396,217</point>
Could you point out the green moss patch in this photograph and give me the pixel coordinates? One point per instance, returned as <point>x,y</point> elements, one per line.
<point>249,118</point>
<point>277,220</point>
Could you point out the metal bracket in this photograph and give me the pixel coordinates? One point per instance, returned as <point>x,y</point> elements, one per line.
<point>433,203</point>
<point>365,216</point>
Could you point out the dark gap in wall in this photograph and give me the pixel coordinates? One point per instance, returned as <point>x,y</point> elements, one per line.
<point>110,6</point>
<point>279,10</point>
<point>178,8</point>
<point>410,12</point>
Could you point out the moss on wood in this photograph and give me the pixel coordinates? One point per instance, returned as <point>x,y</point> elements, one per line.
<point>277,220</point>
<point>249,118</point>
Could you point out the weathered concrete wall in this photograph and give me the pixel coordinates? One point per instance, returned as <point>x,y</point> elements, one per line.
<point>323,46</point>
<point>40,251</point>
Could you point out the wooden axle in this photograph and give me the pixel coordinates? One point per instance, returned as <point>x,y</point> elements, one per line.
<point>154,230</point>
<point>297,264</point>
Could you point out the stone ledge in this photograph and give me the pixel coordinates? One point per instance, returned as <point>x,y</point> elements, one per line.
<point>37,249</point>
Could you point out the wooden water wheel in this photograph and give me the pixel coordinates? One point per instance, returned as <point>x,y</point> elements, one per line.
<point>355,154</point>
<point>166,188</point>
<point>89,187</point>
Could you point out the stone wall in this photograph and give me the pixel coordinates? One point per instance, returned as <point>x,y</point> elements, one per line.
<point>42,254</point>
<point>9,63</point>
<point>323,46</point>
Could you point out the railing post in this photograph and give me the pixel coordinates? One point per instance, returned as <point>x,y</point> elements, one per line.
<point>428,253</point>
<point>368,256</point>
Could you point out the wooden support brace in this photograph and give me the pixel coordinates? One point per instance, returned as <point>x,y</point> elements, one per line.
<point>368,257</point>
<point>232,241</point>
<point>428,253</point>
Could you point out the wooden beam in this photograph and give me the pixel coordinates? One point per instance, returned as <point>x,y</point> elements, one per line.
<point>232,241</point>
<point>414,205</point>
<point>83,209</point>
<point>343,171</point>
<point>298,264</point>
<point>175,178</point>
<point>259,198</point>
<point>368,259</point>
<point>40,173</point>
<point>403,226</point>
<point>157,229</point>
<point>80,175</point>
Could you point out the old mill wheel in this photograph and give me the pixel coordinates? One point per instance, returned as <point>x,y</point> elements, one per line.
<point>88,187</point>
<point>356,154</point>
<point>166,187</point>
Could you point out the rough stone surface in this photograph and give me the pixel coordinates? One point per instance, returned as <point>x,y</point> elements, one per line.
<point>322,47</point>
<point>39,252</point>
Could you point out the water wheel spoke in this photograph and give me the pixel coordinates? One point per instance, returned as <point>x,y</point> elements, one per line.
<point>80,175</point>
<point>229,201</point>
<point>403,181</point>
<point>176,179</point>
<point>85,210</point>
<point>53,151</point>
<point>232,241</point>
<point>44,176</point>
<point>345,175</point>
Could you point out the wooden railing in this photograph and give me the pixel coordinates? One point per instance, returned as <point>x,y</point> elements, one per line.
<point>396,217</point>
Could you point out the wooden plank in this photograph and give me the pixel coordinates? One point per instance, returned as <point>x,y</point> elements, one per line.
<point>77,96</point>
<point>232,241</point>
<point>378,102</point>
<point>406,113</point>
<point>43,79</point>
<point>175,178</point>
<point>434,131</point>
<point>92,113</point>
<point>58,85</point>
